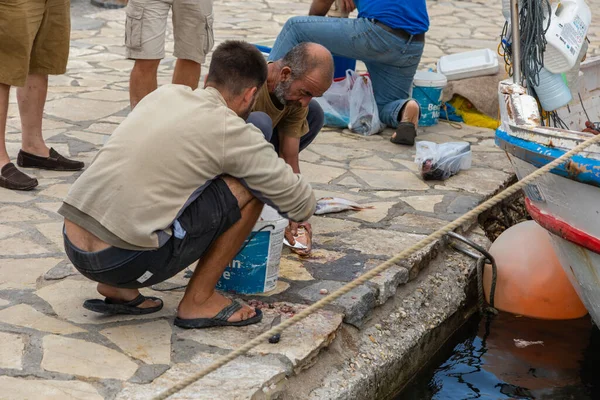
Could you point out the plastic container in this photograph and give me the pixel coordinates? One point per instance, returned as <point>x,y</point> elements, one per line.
<point>255,269</point>
<point>340,64</point>
<point>427,91</point>
<point>468,64</point>
<point>572,76</point>
<point>569,24</point>
<point>552,91</point>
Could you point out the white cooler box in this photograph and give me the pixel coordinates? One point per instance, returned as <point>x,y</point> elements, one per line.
<point>468,64</point>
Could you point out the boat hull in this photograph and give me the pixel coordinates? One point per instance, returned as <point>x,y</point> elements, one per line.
<point>570,210</point>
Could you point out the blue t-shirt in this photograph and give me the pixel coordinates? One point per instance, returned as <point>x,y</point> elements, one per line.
<point>409,15</point>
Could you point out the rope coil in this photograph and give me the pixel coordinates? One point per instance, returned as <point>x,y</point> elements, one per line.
<point>377,270</point>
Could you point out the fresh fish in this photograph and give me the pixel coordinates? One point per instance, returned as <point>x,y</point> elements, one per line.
<point>328,205</point>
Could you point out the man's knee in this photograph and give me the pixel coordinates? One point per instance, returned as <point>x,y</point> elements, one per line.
<point>316,116</point>
<point>238,190</point>
<point>263,122</point>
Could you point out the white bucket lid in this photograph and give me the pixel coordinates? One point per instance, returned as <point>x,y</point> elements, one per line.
<point>429,79</point>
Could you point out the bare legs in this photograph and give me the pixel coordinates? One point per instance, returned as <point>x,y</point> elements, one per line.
<point>143,77</point>
<point>187,72</point>
<point>143,80</point>
<point>200,299</point>
<point>31,99</point>
<point>4,91</point>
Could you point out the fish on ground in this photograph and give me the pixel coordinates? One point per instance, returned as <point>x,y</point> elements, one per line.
<point>327,205</point>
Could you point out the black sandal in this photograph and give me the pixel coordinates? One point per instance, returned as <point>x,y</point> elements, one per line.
<point>112,307</point>
<point>220,319</point>
<point>405,134</point>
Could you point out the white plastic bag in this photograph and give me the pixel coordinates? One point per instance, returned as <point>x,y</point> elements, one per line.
<point>441,161</point>
<point>350,103</point>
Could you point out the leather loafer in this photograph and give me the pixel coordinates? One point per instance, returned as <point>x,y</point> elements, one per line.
<point>55,162</point>
<point>12,178</point>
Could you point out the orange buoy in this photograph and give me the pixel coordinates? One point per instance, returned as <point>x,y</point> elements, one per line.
<point>530,279</point>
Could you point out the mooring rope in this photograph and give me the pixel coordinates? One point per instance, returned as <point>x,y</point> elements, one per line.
<point>377,270</point>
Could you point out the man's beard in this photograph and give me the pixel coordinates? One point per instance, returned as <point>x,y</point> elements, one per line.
<point>281,90</point>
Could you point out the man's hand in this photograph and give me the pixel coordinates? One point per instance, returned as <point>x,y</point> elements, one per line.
<point>320,7</point>
<point>293,227</point>
<point>292,230</point>
<point>347,6</point>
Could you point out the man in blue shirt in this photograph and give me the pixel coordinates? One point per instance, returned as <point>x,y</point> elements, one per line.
<point>388,36</point>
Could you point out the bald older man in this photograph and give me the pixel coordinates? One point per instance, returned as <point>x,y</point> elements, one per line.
<point>285,105</point>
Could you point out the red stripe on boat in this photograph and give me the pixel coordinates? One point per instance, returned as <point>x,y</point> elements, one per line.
<point>563,229</point>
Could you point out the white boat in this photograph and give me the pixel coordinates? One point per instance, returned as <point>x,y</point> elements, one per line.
<point>565,202</point>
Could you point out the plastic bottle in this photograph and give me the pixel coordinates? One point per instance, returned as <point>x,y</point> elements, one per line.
<point>569,23</point>
<point>572,75</point>
<point>552,91</point>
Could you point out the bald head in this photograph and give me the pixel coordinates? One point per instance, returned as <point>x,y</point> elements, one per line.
<point>309,59</point>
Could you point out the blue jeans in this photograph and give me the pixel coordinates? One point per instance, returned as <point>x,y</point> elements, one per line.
<point>392,61</point>
<point>315,119</point>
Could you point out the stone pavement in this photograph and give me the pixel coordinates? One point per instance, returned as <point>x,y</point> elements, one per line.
<point>52,348</point>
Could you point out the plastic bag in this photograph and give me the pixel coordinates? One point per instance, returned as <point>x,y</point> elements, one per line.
<point>350,103</point>
<point>441,161</point>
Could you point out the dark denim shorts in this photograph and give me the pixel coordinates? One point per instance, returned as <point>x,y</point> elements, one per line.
<point>203,221</point>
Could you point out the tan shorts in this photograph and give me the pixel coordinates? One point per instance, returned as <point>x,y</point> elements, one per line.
<point>34,38</point>
<point>146,26</point>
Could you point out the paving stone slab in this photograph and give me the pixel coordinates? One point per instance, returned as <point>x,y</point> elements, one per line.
<point>10,196</point>
<point>6,231</point>
<point>57,191</point>
<point>246,378</point>
<point>423,203</point>
<point>84,109</point>
<point>379,241</point>
<point>478,180</point>
<point>300,343</point>
<point>12,347</point>
<point>149,342</point>
<point>86,359</point>
<point>387,281</point>
<point>26,316</point>
<point>19,214</point>
<point>23,388</point>
<point>323,225</point>
<point>320,174</point>
<point>23,273</point>
<point>379,211</point>
<point>52,231</point>
<point>293,270</point>
<point>415,223</point>
<point>397,180</point>
<point>356,304</point>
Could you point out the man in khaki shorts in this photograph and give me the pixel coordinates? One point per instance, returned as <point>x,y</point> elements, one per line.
<point>145,31</point>
<point>34,43</point>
